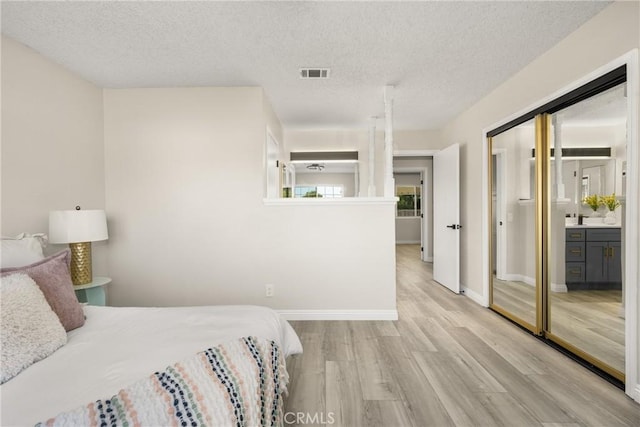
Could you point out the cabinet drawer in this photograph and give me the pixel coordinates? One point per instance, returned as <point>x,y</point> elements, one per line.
<point>574,251</point>
<point>574,272</point>
<point>603,234</point>
<point>575,234</point>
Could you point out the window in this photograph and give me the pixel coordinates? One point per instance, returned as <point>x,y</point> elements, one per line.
<point>327,191</point>
<point>409,201</point>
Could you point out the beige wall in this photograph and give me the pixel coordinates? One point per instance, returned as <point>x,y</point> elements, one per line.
<point>52,144</point>
<point>184,177</point>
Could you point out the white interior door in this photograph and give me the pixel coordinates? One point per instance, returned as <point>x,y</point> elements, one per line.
<point>446,217</point>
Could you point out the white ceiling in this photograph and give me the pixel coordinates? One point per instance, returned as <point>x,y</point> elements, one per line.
<point>441,56</point>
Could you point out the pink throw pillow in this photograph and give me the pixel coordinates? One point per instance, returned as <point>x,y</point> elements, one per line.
<point>52,276</point>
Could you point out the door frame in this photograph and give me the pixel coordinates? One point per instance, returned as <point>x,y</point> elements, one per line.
<point>631,205</point>
<point>271,143</point>
<point>501,211</point>
<point>425,236</point>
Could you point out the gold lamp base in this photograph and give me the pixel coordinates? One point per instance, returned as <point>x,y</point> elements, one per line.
<point>81,273</point>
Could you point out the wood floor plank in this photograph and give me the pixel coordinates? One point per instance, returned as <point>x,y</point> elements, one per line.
<point>343,396</point>
<point>462,403</point>
<point>588,411</point>
<point>374,375</point>
<point>307,388</point>
<point>389,413</point>
<point>538,401</point>
<point>386,329</point>
<point>415,339</point>
<point>422,401</point>
<point>477,377</point>
<point>506,411</point>
<point>336,343</point>
<point>523,357</point>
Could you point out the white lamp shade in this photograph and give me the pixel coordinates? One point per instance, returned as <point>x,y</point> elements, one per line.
<point>77,226</point>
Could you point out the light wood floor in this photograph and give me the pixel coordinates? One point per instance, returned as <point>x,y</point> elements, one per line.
<point>446,362</point>
<point>590,320</point>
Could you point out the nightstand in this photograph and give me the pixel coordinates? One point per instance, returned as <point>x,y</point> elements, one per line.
<point>93,293</point>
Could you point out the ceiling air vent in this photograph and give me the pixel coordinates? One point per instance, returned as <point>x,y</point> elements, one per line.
<point>314,73</point>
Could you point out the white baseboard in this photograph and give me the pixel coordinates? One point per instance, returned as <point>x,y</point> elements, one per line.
<point>636,393</point>
<point>474,296</point>
<point>339,314</point>
<point>555,287</point>
<point>520,278</point>
<point>407,242</point>
<point>559,287</point>
<point>428,259</point>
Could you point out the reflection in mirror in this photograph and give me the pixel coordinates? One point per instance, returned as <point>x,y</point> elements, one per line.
<point>326,179</point>
<point>513,225</point>
<point>324,174</point>
<point>585,177</point>
<point>585,245</point>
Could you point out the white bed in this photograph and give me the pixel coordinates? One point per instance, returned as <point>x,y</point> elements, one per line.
<point>118,346</point>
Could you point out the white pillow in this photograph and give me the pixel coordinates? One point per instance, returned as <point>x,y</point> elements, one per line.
<point>29,329</point>
<point>22,250</point>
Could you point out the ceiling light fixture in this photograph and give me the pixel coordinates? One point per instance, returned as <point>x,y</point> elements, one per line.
<point>315,167</point>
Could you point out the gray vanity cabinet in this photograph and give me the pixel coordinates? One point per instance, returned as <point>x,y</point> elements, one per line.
<point>575,255</point>
<point>593,258</point>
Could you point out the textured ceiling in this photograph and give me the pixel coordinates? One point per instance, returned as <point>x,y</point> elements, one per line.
<point>441,56</point>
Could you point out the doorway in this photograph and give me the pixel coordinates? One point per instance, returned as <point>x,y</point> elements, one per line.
<point>272,167</point>
<point>414,227</point>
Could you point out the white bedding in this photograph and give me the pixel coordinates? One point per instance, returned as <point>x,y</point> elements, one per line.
<point>119,345</point>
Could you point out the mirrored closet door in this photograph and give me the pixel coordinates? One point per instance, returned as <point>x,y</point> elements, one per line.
<point>513,226</point>
<point>557,221</point>
<point>587,158</point>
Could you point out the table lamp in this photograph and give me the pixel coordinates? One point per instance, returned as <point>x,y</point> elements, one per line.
<point>78,228</point>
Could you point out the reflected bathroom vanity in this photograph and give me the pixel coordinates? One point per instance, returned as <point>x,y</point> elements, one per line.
<point>593,257</point>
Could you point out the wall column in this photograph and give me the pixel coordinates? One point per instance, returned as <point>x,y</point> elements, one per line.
<point>389,185</point>
<point>372,158</point>
<point>557,144</point>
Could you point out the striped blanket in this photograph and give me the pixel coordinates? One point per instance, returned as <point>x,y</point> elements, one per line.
<point>239,383</point>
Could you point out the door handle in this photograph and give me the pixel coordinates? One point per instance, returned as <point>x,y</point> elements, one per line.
<point>454,226</point>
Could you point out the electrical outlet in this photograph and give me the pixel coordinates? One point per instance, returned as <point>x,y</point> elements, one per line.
<point>269,290</point>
